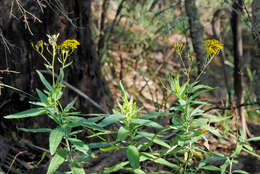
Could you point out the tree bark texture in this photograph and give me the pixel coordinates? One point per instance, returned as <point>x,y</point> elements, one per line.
<point>237,7</point>
<point>237,48</point>
<point>256,35</point>
<point>72,19</point>
<point>197,32</point>
<point>217,30</point>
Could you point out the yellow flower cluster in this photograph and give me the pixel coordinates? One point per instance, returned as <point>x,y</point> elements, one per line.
<point>213,46</point>
<point>68,45</point>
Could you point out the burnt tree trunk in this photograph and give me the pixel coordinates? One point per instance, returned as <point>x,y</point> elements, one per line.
<point>256,35</point>
<point>72,19</point>
<point>238,56</point>
<point>196,32</point>
<point>91,82</point>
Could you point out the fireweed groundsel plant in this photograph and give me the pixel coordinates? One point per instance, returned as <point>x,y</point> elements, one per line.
<point>191,123</point>
<point>49,104</point>
<point>134,137</point>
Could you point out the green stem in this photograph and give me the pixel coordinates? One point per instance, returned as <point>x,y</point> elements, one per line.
<point>53,61</point>
<point>45,59</point>
<point>185,68</point>
<point>68,147</point>
<point>230,166</point>
<point>204,68</point>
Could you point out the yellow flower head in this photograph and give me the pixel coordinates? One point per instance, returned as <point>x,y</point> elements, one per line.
<point>68,45</point>
<point>213,46</point>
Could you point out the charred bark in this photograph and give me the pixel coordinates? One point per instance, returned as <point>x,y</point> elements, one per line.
<point>256,35</point>
<point>196,32</point>
<point>238,56</point>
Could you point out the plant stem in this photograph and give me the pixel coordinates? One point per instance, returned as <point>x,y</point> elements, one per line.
<point>68,147</point>
<point>53,61</point>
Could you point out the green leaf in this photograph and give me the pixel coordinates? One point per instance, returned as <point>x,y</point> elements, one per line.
<point>28,113</point>
<point>70,105</point>
<point>248,147</point>
<point>224,166</point>
<point>184,89</point>
<point>152,137</point>
<point>197,87</point>
<point>240,171</point>
<point>177,85</point>
<point>61,76</point>
<point>57,160</point>
<point>133,156</point>
<point>138,171</point>
<point>148,156</point>
<point>80,121</point>
<point>122,134</point>
<point>213,131</point>
<point>122,90</point>
<point>76,169</point>
<point>254,139</point>
<point>115,168</point>
<point>210,168</point>
<point>197,94</point>
<point>73,133</point>
<point>80,146</point>
<point>251,153</point>
<point>148,123</point>
<point>55,138</point>
<point>44,81</point>
<point>94,119</point>
<point>237,151</point>
<point>197,111</point>
<point>35,130</point>
<point>42,96</point>
<point>111,119</point>
<point>38,104</point>
<point>242,134</point>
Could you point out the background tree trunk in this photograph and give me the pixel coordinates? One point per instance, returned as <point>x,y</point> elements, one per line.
<point>197,33</point>
<point>256,35</point>
<point>238,56</point>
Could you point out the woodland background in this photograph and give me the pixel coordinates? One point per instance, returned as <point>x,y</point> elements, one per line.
<point>131,41</point>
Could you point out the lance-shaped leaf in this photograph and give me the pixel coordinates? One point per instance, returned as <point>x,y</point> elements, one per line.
<point>27,113</point>
<point>44,81</point>
<point>133,156</point>
<point>55,139</point>
<point>57,160</point>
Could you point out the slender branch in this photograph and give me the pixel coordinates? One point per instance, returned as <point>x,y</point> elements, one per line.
<point>120,7</point>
